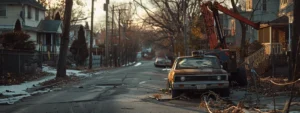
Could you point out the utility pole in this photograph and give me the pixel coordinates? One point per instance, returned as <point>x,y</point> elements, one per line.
<point>119,45</point>
<point>184,29</point>
<point>91,38</point>
<point>106,34</point>
<point>111,37</point>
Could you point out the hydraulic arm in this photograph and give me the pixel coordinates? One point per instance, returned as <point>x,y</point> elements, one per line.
<point>211,19</point>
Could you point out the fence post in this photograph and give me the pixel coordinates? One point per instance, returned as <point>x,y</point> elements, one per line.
<point>1,62</point>
<point>19,62</point>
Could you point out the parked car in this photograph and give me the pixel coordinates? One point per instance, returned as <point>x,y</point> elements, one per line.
<point>197,73</point>
<point>162,62</point>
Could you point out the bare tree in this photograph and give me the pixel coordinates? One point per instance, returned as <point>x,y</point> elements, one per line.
<point>62,60</point>
<point>78,14</point>
<point>168,16</point>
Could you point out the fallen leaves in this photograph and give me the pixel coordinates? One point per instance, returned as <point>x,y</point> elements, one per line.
<point>61,81</point>
<point>13,78</point>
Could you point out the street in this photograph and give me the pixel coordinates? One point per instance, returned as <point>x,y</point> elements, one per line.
<point>123,90</point>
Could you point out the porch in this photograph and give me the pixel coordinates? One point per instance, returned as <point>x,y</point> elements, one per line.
<point>275,36</point>
<point>48,42</point>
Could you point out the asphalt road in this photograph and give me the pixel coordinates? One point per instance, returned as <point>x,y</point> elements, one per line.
<point>123,90</point>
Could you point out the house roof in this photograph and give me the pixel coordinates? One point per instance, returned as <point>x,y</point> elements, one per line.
<point>76,27</point>
<point>49,26</point>
<point>45,26</point>
<point>282,19</point>
<point>33,3</point>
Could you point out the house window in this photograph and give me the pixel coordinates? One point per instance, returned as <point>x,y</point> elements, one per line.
<point>264,5</point>
<point>37,14</point>
<point>249,5</point>
<point>283,2</point>
<point>29,12</point>
<point>2,10</point>
<point>232,27</point>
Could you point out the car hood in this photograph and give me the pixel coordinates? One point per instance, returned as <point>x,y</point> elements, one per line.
<point>199,71</point>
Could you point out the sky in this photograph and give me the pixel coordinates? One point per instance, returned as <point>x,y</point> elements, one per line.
<point>99,13</point>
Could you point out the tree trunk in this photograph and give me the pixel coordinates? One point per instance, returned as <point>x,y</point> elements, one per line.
<point>295,50</point>
<point>243,40</point>
<point>62,60</point>
<point>295,39</point>
<point>243,43</point>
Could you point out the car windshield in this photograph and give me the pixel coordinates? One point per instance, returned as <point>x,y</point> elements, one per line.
<point>196,63</point>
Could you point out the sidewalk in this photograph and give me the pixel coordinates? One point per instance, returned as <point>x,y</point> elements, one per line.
<point>265,103</point>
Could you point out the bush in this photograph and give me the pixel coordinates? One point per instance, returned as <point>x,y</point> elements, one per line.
<point>79,48</point>
<point>16,40</point>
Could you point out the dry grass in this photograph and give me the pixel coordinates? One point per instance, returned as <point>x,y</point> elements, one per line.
<point>13,78</point>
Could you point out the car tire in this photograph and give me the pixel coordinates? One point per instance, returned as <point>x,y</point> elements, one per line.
<point>225,92</point>
<point>168,86</point>
<point>175,93</point>
<point>241,77</point>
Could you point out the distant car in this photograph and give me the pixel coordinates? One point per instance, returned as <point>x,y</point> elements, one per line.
<point>198,73</point>
<point>162,62</point>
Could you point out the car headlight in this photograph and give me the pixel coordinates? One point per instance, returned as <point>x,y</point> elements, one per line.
<point>182,78</point>
<point>218,77</point>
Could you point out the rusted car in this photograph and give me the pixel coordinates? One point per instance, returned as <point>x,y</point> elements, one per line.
<point>198,72</point>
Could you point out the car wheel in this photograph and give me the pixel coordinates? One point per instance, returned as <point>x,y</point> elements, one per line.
<point>225,92</point>
<point>175,93</point>
<point>168,86</point>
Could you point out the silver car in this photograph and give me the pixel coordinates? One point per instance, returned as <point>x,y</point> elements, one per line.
<point>162,62</point>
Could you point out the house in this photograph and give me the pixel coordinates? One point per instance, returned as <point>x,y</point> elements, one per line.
<point>74,34</point>
<point>232,29</point>
<point>46,33</point>
<point>264,12</point>
<point>286,11</point>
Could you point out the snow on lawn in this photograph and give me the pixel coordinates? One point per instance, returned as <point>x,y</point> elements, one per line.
<point>20,89</point>
<point>13,93</point>
<point>137,64</point>
<point>69,72</point>
<point>17,92</point>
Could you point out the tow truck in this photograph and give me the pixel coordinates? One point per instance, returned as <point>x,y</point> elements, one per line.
<point>200,71</point>
<point>217,41</point>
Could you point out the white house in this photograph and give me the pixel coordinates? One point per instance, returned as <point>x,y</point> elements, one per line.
<point>87,32</point>
<point>32,16</point>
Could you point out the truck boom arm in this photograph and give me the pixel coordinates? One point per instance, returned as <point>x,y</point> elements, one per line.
<point>213,16</point>
<point>236,16</point>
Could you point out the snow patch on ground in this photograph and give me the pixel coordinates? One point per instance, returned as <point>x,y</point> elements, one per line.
<point>130,63</point>
<point>69,72</point>
<point>12,99</point>
<point>166,69</point>
<point>138,64</point>
<point>21,88</point>
<point>143,82</point>
<point>14,93</point>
